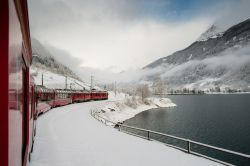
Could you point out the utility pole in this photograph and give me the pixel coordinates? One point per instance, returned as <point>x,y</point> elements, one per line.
<point>91,83</point>
<point>42,79</point>
<point>70,86</point>
<point>115,88</point>
<point>66,79</point>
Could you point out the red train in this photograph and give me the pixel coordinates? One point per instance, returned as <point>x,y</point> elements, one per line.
<point>20,100</point>
<point>49,98</point>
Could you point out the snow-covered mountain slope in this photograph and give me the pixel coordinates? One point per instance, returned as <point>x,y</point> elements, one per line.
<point>235,37</point>
<point>53,72</point>
<point>214,61</point>
<point>44,59</point>
<point>57,81</point>
<point>212,32</point>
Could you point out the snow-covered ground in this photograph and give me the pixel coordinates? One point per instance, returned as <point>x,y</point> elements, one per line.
<point>70,136</point>
<point>117,96</point>
<point>123,107</point>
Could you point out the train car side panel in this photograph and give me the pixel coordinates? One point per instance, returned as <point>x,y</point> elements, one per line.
<point>19,123</point>
<point>4,83</point>
<point>62,98</point>
<point>16,83</point>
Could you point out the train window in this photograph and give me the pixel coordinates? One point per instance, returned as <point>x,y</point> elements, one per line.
<point>62,95</point>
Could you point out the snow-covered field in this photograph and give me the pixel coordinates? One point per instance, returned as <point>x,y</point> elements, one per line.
<point>70,136</point>
<point>123,107</point>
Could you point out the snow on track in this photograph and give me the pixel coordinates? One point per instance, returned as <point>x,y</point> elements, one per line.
<point>69,136</point>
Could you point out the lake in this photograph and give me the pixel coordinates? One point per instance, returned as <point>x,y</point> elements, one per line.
<point>219,120</point>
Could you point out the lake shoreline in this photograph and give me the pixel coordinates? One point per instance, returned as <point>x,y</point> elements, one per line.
<point>210,93</point>
<point>120,111</point>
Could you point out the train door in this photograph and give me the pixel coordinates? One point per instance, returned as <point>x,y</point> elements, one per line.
<point>32,128</point>
<point>25,119</point>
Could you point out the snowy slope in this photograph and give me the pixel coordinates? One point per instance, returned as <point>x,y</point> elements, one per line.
<point>216,59</point>
<point>69,136</point>
<point>212,32</point>
<point>44,58</point>
<point>57,81</point>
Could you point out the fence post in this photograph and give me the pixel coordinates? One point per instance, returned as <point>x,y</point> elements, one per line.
<point>148,135</point>
<point>188,146</point>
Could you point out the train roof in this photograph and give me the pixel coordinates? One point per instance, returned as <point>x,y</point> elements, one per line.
<point>43,89</point>
<point>62,91</point>
<point>80,91</point>
<point>99,91</point>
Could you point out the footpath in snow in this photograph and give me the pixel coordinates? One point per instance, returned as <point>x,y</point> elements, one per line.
<point>70,136</point>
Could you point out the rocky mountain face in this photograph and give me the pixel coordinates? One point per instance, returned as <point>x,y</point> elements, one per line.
<point>42,58</point>
<point>215,59</point>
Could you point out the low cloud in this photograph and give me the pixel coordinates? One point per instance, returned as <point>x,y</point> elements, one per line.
<point>228,68</point>
<point>113,34</point>
<point>233,13</point>
<point>113,39</point>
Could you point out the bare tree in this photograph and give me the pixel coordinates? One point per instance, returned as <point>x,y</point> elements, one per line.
<point>143,91</point>
<point>159,86</point>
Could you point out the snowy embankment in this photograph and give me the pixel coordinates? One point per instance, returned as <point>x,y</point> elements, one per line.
<point>124,107</point>
<point>69,136</point>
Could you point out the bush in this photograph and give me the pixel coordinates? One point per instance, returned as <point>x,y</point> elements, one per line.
<point>131,102</point>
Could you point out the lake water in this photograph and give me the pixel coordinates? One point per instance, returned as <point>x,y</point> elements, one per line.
<point>219,120</point>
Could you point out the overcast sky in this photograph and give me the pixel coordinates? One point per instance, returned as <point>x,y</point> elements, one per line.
<point>118,35</point>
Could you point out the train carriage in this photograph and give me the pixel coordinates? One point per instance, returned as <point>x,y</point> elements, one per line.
<point>44,99</point>
<point>80,96</point>
<point>94,95</point>
<point>104,95</point>
<point>16,116</point>
<point>62,97</point>
<point>99,95</point>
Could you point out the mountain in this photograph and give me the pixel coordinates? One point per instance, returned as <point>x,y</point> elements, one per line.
<point>43,59</point>
<point>54,74</point>
<point>215,59</point>
<point>212,32</point>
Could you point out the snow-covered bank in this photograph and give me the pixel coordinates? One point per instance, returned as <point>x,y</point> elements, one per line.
<point>69,136</point>
<point>226,93</point>
<point>127,107</point>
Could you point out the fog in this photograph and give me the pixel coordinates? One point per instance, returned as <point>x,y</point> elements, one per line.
<point>113,40</point>
<point>118,35</point>
<point>233,13</point>
<point>227,69</point>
